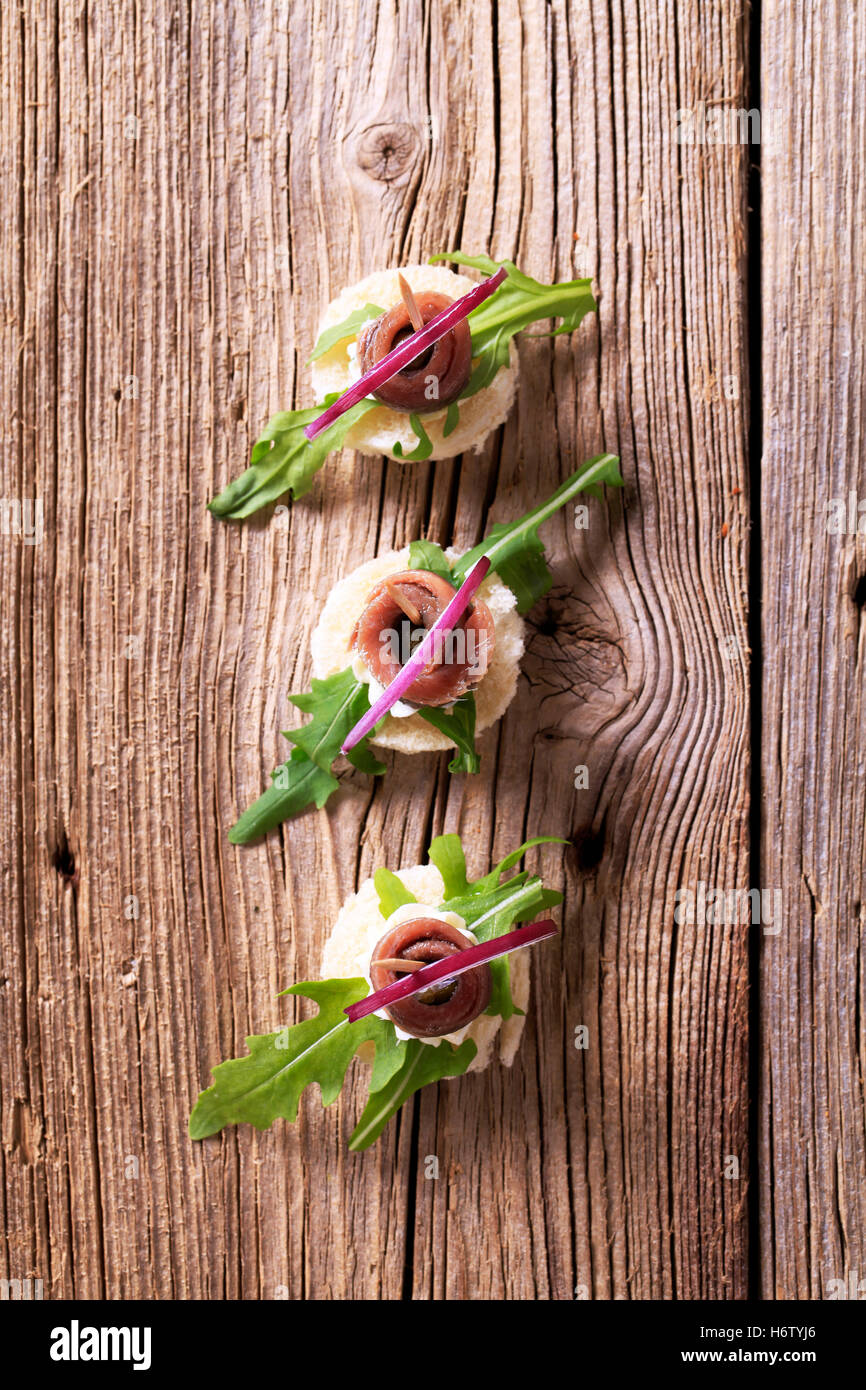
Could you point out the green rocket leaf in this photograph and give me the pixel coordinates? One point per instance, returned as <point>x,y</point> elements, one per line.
<point>391,892</point>
<point>336,705</point>
<point>458,724</point>
<point>446,852</point>
<point>519,302</point>
<point>427,555</point>
<point>341,331</point>
<point>284,460</point>
<point>423,448</point>
<point>422,1063</point>
<point>267,1084</point>
<point>515,549</point>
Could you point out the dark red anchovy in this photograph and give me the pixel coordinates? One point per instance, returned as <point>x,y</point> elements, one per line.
<point>445,1006</point>
<point>448,361</point>
<point>422,597</point>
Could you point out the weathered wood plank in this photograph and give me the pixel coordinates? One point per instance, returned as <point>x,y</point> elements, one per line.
<point>239,170</point>
<point>813,1126</point>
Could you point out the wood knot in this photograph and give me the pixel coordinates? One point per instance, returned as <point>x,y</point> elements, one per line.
<point>569,651</point>
<point>64,861</point>
<point>388,152</point>
<point>587,847</point>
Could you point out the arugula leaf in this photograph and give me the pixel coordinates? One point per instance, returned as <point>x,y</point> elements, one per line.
<point>267,1084</point>
<point>446,853</point>
<point>347,329</point>
<point>364,759</point>
<point>427,555</point>
<point>488,914</point>
<point>458,724</point>
<point>517,303</point>
<point>528,901</point>
<point>391,892</point>
<point>479,902</point>
<point>494,913</point>
<point>422,1063</point>
<point>501,999</point>
<point>490,908</point>
<point>336,705</point>
<point>492,880</point>
<point>520,905</point>
<point>284,460</point>
<point>424,448</point>
<point>297,784</point>
<point>514,547</point>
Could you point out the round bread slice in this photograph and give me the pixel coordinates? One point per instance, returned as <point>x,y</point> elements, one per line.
<point>360,925</point>
<point>331,651</point>
<point>378,430</point>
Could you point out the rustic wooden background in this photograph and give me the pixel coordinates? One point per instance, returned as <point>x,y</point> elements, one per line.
<point>182,192</point>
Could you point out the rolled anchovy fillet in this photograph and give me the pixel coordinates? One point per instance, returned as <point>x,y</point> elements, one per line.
<point>444,1007</point>
<point>434,379</point>
<point>418,598</point>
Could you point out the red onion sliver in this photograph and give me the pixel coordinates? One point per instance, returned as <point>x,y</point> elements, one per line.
<point>406,352</point>
<point>421,655</point>
<point>452,965</point>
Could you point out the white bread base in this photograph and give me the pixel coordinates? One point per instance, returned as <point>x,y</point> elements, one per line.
<point>360,925</point>
<point>330,650</point>
<point>376,432</point>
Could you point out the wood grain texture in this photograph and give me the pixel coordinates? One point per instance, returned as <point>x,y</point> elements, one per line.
<point>189,191</point>
<point>813,1133</point>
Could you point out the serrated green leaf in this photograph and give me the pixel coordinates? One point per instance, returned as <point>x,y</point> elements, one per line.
<point>446,852</point>
<point>501,1000</point>
<point>336,704</point>
<point>494,913</point>
<point>391,892</point>
<point>424,447</point>
<point>489,914</point>
<point>492,880</point>
<point>347,329</point>
<point>514,548</point>
<point>283,459</point>
<point>519,302</point>
<point>364,759</point>
<point>526,903</point>
<point>422,1063</point>
<point>267,1084</point>
<point>457,724</point>
<point>427,555</point>
<point>296,785</point>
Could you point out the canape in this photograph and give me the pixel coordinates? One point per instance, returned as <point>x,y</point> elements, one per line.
<point>417,650</point>
<point>425,976</point>
<point>418,363</point>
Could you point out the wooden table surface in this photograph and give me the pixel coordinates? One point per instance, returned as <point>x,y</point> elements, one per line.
<point>184,188</point>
